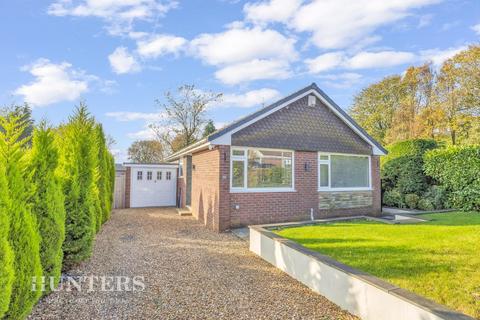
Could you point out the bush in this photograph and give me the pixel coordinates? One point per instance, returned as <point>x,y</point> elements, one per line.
<point>47,202</point>
<point>402,169</point>
<point>393,198</point>
<point>110,184</point>
<point>457,169</point>
<point>23,235</point>
<point>79,186</point>
<point>426,204</point>
<point>437,195</point>
<point>411,200</point>
<point>103,176</point>
<point>6,253</point>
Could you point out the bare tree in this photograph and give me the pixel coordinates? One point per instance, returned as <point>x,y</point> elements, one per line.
<point>185,116</point>
<point>146,151</point>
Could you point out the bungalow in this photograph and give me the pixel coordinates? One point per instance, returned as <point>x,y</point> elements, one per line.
<point>298,158</point>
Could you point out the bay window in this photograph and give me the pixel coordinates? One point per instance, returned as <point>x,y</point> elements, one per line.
<point>343,172</point>
<point>261,169</point>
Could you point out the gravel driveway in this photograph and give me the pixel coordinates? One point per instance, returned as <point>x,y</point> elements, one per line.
<point>189,273</point>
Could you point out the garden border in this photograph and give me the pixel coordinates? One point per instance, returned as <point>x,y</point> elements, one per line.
<point>358,292</point>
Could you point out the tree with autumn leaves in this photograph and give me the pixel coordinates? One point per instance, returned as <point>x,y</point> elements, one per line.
<point>441,104</point>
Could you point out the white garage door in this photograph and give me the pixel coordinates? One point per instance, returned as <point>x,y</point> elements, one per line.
<point>153,186</point>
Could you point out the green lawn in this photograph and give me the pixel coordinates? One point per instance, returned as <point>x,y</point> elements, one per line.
<point>439,259</point>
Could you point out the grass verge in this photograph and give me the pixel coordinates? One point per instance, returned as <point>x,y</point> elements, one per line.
<point>438,259</point>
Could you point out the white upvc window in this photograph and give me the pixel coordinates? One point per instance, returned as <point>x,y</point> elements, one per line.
<point>344,172</point>
<point>139,175</point>
<point>261,170</point>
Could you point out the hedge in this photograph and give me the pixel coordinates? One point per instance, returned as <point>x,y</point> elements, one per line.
<point>77,145</point>
<point>57,190</point>
<point>402,173</point>
<point>23,235</point>
<point>457,168</point>
<point>47,202</point>
<point>6,253</point>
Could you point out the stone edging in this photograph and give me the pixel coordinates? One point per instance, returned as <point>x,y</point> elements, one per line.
<point>366,296</point>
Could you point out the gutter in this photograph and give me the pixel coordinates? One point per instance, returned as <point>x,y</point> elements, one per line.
<point>197,146</point>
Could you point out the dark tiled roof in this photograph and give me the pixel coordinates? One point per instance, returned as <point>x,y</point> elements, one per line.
<point>266,109</point>
<point>301,127</point>
<point>313,86</point>
<point>251,116</point>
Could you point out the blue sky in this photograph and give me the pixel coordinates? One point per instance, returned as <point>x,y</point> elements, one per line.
<point>121,55</point>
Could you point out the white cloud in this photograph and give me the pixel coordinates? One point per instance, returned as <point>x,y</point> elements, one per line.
<point>253,70</point>
<point>53,83</point>
<point>159,45</point>
<point>122,61</point>
<point>382,59</point>
<point>253,98</point>
<point>240,45</point>
<point>425,20</point>
<point>342,80</point>
<point>120,14</point>
<point>144,134</point>
<point>476,28</point>
<point>271,11</point>
<point>341,23</point>
<point>438,56</point>
<point>325,62</point>
<point>125,116</point>
<point>361,60</point>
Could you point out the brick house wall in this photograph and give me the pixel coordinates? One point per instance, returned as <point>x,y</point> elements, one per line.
<point>206,188</point>
<point>219,210</point>
<point>269,207</point>
<point>181,191</point>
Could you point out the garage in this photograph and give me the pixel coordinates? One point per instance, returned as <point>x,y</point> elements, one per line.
<point>150,185</point>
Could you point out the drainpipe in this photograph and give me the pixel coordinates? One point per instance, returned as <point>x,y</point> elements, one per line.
<point>311,214</point>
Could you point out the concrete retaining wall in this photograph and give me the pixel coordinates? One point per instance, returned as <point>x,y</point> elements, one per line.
<point>361,294</point>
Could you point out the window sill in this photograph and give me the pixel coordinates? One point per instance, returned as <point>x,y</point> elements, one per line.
<point>262,190</point>
<point>344,189</point>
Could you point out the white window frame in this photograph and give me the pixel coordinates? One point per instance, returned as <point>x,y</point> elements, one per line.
<point>159,175</point>
<point>244,158</point>
<point>329,188</point>
<point>149,175</point>
<point>168,175</point>
<point>139,175</point>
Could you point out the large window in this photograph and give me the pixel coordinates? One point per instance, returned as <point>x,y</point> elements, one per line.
<point>343,172</point>
<point>261,169</point>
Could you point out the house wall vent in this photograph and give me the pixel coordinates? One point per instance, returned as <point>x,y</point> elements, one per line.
<point>312,100</point>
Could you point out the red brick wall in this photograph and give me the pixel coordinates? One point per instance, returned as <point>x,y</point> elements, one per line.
<point>206,187</point>
<point>224,187</point>
<point>128,177</point>
<point>270,207</point>
<point>215,206</point>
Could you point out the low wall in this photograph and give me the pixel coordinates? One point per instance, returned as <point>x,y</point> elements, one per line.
<point>359,293</point>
